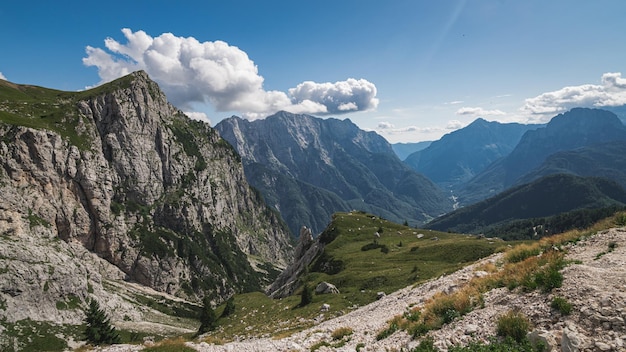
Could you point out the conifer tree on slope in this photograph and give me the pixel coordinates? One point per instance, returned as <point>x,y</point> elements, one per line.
<point>99,329</point>
<point>208,319</point>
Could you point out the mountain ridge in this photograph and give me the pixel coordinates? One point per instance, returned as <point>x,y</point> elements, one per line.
<point>576,128</point>
<point>359,167</point>
<point>127,176</point>
<point>460,155</point>
<point>566,193</point>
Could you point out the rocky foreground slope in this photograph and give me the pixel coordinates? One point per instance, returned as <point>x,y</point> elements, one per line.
<point>594,283</point>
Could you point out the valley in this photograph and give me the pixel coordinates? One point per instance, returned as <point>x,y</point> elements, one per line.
<point>113,194</point>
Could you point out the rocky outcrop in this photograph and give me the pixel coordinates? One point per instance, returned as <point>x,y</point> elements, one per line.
<point>306,251</point>
<point>326,288</point>
<point>126,175</point>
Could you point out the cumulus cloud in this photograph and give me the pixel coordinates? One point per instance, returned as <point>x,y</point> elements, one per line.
<point>611,92</point>
<point>343,96</point>
<point>479,112</point>
<point>383,125</point>
<point>2,76</point>
<point>200,116</point>
<point>190,71</point>
<point>454,125</point>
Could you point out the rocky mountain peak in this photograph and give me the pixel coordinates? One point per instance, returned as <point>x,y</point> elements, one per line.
<point>308,168</point>
<point>120,171</point>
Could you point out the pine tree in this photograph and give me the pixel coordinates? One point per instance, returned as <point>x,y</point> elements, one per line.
<point>99,329</point>
<point>306,296</point>
<point>230,307</point>
<point>208,319</point>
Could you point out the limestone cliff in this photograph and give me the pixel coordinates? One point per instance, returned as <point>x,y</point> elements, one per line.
<point>125,174</point>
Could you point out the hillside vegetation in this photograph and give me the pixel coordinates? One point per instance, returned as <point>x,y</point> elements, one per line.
<point>360,265</point>
<point>552,204</point>
<point>533,285</point>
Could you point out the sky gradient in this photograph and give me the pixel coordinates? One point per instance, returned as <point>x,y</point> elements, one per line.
<point>411,70</point>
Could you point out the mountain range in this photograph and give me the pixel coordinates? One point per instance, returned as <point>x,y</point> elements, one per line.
<point>460,155</point>
<point>309,168</point>
<point>577,128</point>
<point>403,150</point>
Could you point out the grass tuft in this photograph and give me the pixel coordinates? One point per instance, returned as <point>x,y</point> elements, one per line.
<point>513,324</point>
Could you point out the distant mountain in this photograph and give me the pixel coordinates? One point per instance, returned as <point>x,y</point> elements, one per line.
<point>460,155</point>
<point>620,111</point>
<point>403,150</point>
<point>574,129</point>
<point>309,168</point>
<point>548,196</point>
<point>607,160</point>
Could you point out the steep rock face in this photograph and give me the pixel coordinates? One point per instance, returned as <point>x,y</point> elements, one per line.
<point>306,251</point>
<point>333,161</point>
<point>127,175</point>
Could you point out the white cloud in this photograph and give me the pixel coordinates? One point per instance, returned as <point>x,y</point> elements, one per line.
<point>400,130</point>
<point>383,125</point>
<point>611,92</point>
<point>200,116</point>
<point>454,125</point>
<point>2,76</point>
<point>455,102</point>
<point>190,71</point>
<point>479,112</point>
<point>342,96</point>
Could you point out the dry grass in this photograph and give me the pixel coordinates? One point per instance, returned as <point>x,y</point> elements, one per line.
<point>530,266</point>
<point>340,333</point>
<point>170,345</point>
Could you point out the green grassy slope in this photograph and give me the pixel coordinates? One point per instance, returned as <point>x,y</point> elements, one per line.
<point>398,258</point>
<point>549,196</point>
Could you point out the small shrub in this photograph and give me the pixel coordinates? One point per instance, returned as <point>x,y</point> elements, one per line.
<point>393,327</point>
<point>426,345</point>
<point>508,345</point>
<point>513,324</point>
<point>413,315</point>
<point>522,252</point>
<point>340,333</point>
<point>319,345</point>
<point>359,346</point>
<point>549,278</point>
<point>561,305</point>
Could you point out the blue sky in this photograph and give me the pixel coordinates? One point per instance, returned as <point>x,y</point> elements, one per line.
<point>411,70</point>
